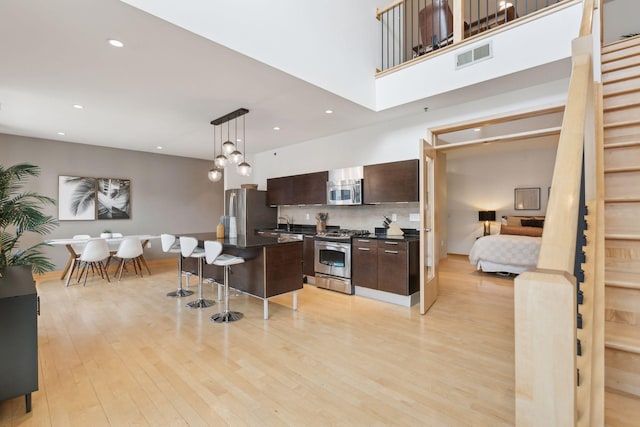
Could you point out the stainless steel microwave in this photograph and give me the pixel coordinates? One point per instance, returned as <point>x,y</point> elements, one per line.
<point>345,186</point>
<point>344,193</point>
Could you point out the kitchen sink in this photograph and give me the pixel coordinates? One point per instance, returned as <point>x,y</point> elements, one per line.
<point>286,237</point>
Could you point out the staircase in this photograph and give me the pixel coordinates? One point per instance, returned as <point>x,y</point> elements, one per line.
<point>621,104</point>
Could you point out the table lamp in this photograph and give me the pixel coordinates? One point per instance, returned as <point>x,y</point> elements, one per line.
<point>487,216</point>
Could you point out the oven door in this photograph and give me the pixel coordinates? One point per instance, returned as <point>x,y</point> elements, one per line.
<point>333,258</point>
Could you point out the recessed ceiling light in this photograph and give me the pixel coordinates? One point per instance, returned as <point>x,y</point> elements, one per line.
<point>61,133</point>
<point>276,128</point>
<point>328,111</point>
<point>238,139</point>
<point>476,130</point>
<point>78,106</point>
<point>159,147</point>
<point>115,43</point>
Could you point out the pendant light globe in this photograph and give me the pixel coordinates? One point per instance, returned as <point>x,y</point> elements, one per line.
<point>220,161</point>
<point>228,147</point>
<point>244,169</point>
<point>235,157</point>
<point>215,174</point>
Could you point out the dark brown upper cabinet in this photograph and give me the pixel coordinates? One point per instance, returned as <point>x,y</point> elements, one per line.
<point>279,190</point>
<point>391,182</point>
<point>305,189</point>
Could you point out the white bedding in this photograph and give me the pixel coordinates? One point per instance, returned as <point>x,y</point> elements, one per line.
<point>505,253</point>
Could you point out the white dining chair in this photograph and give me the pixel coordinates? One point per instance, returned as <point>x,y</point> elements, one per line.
<point>94,253</point>
<point>78,248</point>
<point>130,249</point>
<point>113,247</point>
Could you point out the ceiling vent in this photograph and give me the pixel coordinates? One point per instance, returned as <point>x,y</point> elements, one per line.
<point>471,56</point>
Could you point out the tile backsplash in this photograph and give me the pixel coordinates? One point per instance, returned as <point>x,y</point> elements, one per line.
<point>361,217</point>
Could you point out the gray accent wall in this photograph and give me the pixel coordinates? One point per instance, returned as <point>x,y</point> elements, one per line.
<point>168,194</point>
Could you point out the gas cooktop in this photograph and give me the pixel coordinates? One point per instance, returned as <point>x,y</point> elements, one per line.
<point>342,234</point>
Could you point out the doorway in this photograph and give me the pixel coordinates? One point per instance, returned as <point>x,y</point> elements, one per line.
<point>450,211</point>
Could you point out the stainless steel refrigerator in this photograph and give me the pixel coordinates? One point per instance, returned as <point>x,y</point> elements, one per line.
<point>250,209</point>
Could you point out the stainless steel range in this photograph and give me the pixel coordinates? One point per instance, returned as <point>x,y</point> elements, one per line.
<point>333,259</point>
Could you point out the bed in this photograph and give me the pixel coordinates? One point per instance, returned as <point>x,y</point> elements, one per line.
<point>514,250</point>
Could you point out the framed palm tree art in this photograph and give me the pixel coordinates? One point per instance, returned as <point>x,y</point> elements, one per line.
<point>76,198</point>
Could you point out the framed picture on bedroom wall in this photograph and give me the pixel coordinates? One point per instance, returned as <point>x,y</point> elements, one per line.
<point>526,199</point>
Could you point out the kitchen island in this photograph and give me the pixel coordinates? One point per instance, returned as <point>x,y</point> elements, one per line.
<point>272,267</point>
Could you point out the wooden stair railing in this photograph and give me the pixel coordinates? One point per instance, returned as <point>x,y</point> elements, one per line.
<point>555,385</point>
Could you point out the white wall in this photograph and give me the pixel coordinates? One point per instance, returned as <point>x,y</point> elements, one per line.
<point>487,182</point>
<point>168,194</point>
<point>394,140</point>
<point>620,17</point>
<point>332,44</point>
<point>522,47</point>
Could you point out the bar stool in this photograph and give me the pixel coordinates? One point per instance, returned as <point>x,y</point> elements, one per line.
<point>189,248</point>
<point>170,245</point>
<point>213,253</point>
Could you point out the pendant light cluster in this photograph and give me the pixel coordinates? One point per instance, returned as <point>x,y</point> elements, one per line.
<point>229,148</point>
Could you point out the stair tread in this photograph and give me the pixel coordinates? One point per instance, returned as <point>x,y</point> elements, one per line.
<point>622,236</point>
<point>622,170</point>
<point>620,45</point>
<point>622,144</point>
<point>622,200</point>
<point>621,408</point>
<point>611,93</point>
<point>611,67</point>
<point>622,279</point>
<point>622,336</point>
<point>611,108</point>
<point>623,123</point>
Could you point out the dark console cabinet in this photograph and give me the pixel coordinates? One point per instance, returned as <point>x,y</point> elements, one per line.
<point>18,334</point>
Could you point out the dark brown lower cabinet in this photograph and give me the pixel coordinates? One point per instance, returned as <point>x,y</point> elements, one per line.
<point>386,265</point>
<point>18,334</point>
<point>308,256</point>
<point>392,269</point>
<point>364,263</point>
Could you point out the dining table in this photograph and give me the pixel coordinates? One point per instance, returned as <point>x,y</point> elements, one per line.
<point>112,242</point>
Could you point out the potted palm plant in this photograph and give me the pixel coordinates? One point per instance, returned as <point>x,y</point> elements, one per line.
<point>21,212</point>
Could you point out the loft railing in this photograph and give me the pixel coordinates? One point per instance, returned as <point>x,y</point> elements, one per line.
<point>559,312</point>
<point>412,28</point>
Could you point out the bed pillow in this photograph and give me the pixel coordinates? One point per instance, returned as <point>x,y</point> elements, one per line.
<point>533,222</point>
<point>521,230</point>
<point>516,220</point>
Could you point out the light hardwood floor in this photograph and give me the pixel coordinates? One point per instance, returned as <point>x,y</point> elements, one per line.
<point>123,354</point>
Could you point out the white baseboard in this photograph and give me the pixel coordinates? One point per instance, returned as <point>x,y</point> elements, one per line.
<point>403,300</point>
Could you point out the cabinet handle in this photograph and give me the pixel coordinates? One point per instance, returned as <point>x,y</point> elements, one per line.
<point>364,249</point>
<point>390,243</point>
<point>38,305</point>
<point>390,252</point>
<point>261,232</point>
<point>364,240</point>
